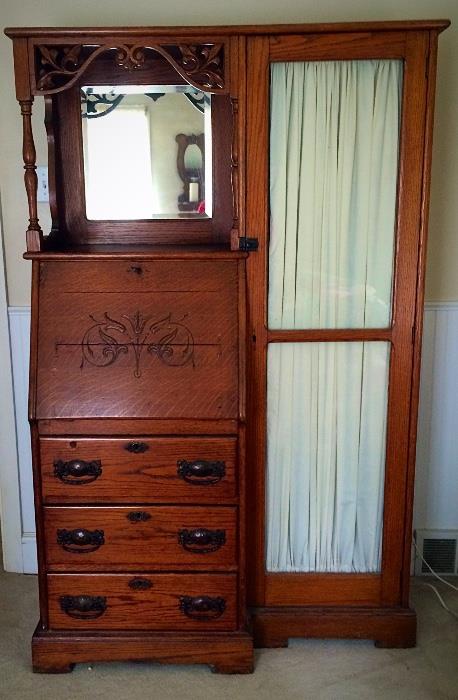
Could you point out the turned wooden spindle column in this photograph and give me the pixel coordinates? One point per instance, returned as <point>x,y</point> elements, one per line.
<point>34,232</point>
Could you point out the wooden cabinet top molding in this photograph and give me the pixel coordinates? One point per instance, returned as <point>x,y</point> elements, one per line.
<point>329,27</point>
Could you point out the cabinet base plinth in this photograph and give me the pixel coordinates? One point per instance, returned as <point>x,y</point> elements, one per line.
<point>59,651</point>
<point>388,627</point>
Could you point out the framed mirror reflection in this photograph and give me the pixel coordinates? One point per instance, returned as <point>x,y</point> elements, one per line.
<point>147,151</point>
<point>149,157</point>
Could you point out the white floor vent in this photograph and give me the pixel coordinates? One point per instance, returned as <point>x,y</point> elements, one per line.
<point>439,549</point>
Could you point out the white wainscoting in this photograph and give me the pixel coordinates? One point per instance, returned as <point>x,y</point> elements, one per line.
<point>436,492</point>
<point>19,320</point>
<point>436,484</point>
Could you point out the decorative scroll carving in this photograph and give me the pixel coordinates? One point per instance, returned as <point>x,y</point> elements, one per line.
<point>106,340</point>
<point>202,64</point>
<point>57,63</point>
<point>130,57</point>
<point>59,67</point>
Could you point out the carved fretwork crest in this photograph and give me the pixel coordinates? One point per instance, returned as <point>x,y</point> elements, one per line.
<point>130,57</point>
<point>107,339</point>
<point>58,67</point>
<point>203,64</point>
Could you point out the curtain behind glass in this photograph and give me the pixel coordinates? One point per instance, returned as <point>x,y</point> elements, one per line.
<point>326,426</point>
<point>333,177</point>
<point>333,180</point>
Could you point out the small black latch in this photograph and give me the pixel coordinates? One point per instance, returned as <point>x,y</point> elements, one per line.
<point>248,244</point>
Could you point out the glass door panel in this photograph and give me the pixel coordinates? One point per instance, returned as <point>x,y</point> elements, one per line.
<point>334,151</point>
<point>326,427</point>
<point>334,142</point>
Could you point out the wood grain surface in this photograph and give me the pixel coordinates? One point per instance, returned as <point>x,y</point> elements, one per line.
<point>155,608</point>
<point>157,339</point>
<point>140,545</point>
<point>145,477</point>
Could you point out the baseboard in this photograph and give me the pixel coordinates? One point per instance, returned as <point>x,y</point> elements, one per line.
<point>387,627</point>
<point>29,553</point>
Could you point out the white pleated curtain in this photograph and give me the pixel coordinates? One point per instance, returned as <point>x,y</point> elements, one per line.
<point>334,155</point>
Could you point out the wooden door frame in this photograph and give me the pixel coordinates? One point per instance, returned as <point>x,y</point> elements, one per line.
<point>417,48</point>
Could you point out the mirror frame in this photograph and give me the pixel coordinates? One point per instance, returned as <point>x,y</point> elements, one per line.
<point>66,158</point>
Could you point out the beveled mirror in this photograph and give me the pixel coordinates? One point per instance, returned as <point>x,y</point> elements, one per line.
<point>147,152</point>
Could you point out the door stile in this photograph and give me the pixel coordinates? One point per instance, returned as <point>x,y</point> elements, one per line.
<point>257,144</point>
<point>404,301</point>
<point>427,157</point>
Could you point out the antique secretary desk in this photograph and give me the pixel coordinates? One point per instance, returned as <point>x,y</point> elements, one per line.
<point>226,325</point>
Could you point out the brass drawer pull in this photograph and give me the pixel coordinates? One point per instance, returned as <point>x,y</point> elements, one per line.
<point>201,472</point>
<point>201,540</point>
<point>83,607</point>
<point>77,471</point>
<point>140,584</point>
<point>136,448</point>
<point>138,516</point>
<point>80,541</point>
<point>202,607</point>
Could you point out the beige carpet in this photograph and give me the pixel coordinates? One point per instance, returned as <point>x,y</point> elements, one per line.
<point>322,670</point>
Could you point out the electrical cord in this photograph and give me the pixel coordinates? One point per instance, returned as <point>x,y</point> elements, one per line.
<point>441,600</point>
<point>442,580</point>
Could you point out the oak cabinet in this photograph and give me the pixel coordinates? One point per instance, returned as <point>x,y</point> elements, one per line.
<point>226,330</point>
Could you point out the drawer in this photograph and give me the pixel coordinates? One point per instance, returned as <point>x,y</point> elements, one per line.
<point>171,602</point>
<point>141,538</point>
<point>153,339</point>
<point>138,470</point>
<point>133,276</point>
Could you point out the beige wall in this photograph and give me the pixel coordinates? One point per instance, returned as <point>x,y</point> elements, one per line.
<point>442,274</point>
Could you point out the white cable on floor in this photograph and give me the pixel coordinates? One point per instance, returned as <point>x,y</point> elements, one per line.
<point>442,580</point>
<point>442,601</point>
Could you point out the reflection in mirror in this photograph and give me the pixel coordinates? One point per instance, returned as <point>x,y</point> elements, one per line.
<point>193,157</point>
<point>190,164</point>
<point>147,152</point>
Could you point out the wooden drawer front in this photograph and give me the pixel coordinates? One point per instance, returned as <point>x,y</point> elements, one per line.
<point>132,276</point>
<point>181,602</point>
<point>162,344</point>
<point>138,470</point>
<point>119,539</point>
